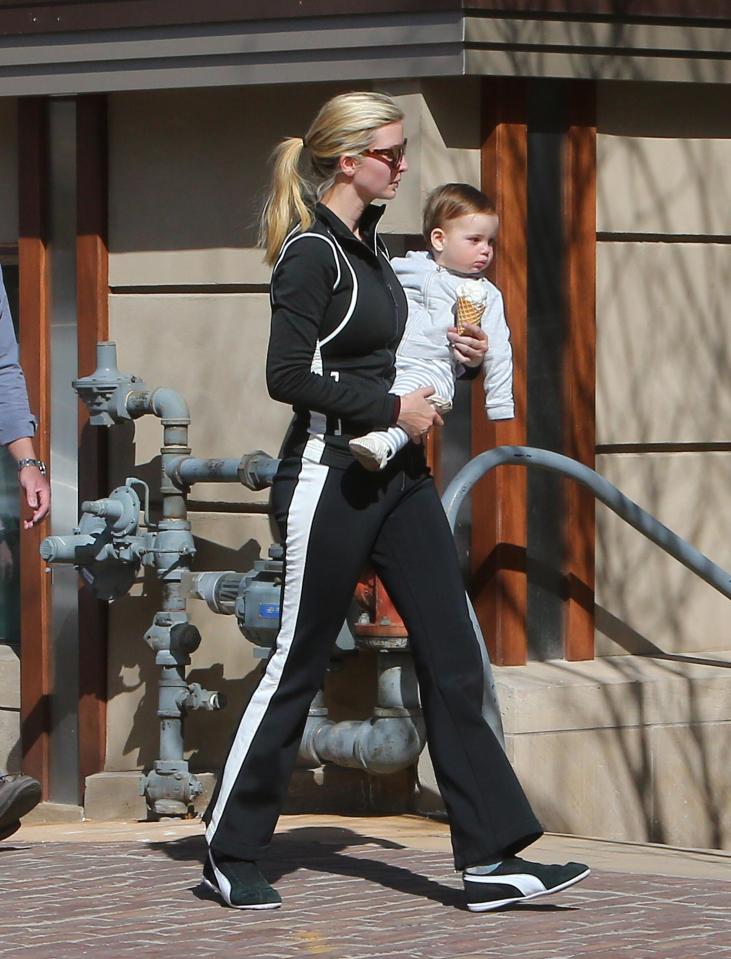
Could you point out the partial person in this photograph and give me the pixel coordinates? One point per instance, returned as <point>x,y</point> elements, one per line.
<point>447,292</point>
<point>18,794</point>
<point>338,316</point>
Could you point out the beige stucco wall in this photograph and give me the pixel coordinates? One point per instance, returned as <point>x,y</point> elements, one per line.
<point>189,172</point>
<point>187,175</point>
<point>646,599</point>
<point>663,343</point>
<point>9,709</point>
<point>8,170</point>
<point>663,358</point>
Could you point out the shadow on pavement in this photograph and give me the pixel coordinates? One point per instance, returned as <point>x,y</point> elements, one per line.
<point>322,850</point>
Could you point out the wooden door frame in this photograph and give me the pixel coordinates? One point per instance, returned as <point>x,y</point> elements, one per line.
<point>34,341</point>
<point>92,306</point>
<point>579,364</point>
<point>92,316</point>
<point>500,501</point>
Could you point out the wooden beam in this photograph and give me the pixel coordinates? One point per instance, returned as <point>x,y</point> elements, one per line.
<point>34,296</point>
<point>579,377</point>
<point>92,299</point>
<point>499,501</point>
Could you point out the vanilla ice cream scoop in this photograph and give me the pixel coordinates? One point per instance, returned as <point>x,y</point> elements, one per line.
<point>471,303</point>
<point>474,291</point>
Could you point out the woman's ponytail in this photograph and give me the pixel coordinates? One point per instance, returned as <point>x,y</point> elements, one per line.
<point>288,198</point>
<point>344,126</point>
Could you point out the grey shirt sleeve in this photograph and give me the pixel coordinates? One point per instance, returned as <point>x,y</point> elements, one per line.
<point>16,419</point>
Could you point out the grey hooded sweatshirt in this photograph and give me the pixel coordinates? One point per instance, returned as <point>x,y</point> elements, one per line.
<point>432,294</point>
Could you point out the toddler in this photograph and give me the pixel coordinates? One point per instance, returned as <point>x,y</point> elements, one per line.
<point>446,287</point>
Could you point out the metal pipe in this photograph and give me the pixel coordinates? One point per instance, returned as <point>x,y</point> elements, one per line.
<point>79,549</point>
<point>171,787</point>
<point>109,508</point>
<point>388,741</point>
<point>170,407</point>
<point>106,359</point>
<point>490,703</point>
<point>190,470</point>
<point>172,690</point>
<point>602,489</point>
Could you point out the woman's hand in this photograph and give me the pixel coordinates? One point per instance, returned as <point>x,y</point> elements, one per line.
<point>470,346</point>
<point>417,415</point>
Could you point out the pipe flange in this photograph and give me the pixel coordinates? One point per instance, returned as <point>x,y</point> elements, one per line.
<point>257,469</point>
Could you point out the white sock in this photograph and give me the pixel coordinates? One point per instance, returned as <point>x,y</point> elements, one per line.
<point>483,870</point>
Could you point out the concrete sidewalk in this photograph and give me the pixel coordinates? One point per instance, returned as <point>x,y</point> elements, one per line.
<point>353,888</point>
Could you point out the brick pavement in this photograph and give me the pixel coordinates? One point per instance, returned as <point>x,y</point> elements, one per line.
<point>346,896</point>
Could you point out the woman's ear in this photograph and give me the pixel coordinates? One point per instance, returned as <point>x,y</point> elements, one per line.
<point>348,165</point>
<point>436,238</point>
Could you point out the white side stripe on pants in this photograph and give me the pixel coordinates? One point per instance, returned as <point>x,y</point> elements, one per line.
<point>310,484</point>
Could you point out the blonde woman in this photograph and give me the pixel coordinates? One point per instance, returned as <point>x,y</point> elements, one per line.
<point>338,314</point>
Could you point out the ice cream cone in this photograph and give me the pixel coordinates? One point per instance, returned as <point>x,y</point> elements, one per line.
<point>468,312</point>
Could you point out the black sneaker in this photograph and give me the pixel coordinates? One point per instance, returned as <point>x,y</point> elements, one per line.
<point>18,795</point>
<point>517,880</point>
<point>240,884</point>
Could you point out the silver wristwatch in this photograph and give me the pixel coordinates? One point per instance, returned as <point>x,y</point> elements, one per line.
<point>31,462</point>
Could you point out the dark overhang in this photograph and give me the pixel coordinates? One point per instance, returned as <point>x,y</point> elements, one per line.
<point>59,16</point>
<point>61,47</point>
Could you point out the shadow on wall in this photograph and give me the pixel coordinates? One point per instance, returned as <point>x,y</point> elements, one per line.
<point>206,733</point>
<point>695,761</point>
<point>228,133</point>
<point>648,758</point>
<point>663,355</point>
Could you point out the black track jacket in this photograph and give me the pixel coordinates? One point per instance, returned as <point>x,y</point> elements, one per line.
<point>338,315</point>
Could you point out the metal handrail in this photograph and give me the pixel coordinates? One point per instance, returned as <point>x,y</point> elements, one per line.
<point>602,489</point>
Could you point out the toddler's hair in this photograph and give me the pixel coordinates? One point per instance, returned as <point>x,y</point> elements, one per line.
<point>452,200</point>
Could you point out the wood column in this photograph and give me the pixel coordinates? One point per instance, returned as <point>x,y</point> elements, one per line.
<point>499,501</point>
<point>92,299</point>
<point>34,306</point>
<point>579,366</point>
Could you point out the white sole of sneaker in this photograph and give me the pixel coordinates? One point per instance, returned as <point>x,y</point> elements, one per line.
<point>498,904</point>
<point>259,905</point>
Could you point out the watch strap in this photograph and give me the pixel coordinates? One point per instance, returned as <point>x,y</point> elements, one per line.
<point>21,464</point>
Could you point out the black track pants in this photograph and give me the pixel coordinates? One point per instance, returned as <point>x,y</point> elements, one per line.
<point>333,522</point>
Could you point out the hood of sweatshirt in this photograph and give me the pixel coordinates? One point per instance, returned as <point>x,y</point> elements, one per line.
<point>413,270</point>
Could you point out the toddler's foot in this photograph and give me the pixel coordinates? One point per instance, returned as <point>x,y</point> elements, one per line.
<point>517,880</point>
<point>440,404</point>
<point>372,451</point>
<point>239,884</point>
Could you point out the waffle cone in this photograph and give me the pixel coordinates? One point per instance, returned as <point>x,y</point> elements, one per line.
<point>468,313</point>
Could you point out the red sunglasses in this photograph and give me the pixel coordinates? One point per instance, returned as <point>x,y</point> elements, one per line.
<point>391,156</point>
